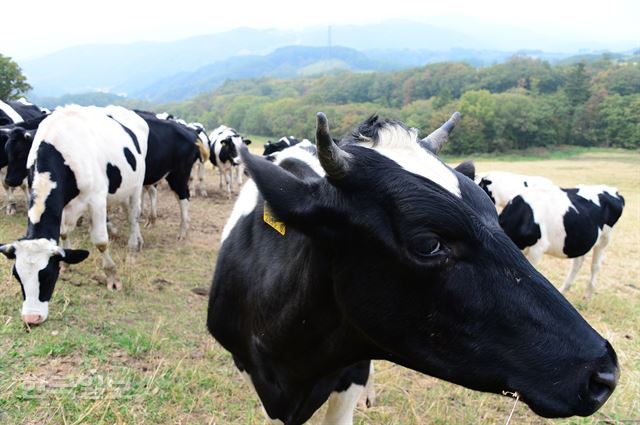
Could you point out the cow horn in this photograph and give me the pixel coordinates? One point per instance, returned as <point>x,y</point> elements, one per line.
<point>436,140</point>
<point>334,160</point>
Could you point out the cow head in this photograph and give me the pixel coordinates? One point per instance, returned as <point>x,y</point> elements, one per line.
<point>424,276</point>
<point>17,150</point>
<point>36,268</point>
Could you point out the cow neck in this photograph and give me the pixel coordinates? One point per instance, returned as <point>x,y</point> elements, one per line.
<point>45,215</point>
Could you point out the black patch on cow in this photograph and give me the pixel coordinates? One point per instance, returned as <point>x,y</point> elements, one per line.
<point>130,158</point>
<point>585,219</point>
<point>17,276</point>
<point>526,184</point>
<point>518,223</point>
<point>49,159</point>
<point>357,374</point>
<point>130,133</point>
<point>484,184</point>
<point>114,176</point>
<point>611,208</point>
<point>48,277</point>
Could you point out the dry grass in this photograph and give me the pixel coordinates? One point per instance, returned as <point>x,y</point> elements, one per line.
<point>143,356</point>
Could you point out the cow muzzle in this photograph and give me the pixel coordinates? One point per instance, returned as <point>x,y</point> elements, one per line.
<point>32,319</point>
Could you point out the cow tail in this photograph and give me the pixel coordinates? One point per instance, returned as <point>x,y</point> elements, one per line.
<point>204,150</point>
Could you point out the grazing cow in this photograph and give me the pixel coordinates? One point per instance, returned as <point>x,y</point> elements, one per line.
<point>81,158</point>
<point>225,142</point>
<point>281,144</point>
<point>564,223</point>
<point>173,149</point>
<point>12,113</point>
<point>502,186</point>
<point>411,268</point>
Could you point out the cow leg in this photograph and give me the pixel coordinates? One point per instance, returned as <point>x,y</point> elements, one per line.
<point>576,263</point>
<point>220,175</point>
<point>70,216</point>
<point>100,238</point>
<point>153,205</point>
<point>198,187</point>
<point>596,260</point>
<point>179,184</point>
<point>368,397</point>
<point>135,238</point>
<point>343,400</point>
<point>10,199</point>
<point>240,173</point>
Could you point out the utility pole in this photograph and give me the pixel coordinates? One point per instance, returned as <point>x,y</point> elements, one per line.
<point>329,42</point>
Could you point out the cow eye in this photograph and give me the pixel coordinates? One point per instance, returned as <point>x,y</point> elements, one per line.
<point>427,247</point>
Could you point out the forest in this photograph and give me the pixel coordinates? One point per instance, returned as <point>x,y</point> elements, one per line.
<point>519,104</point>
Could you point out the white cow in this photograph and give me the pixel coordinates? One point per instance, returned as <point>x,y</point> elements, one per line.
<point>82,158</point>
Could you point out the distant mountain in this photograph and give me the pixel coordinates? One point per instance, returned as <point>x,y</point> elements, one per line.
<point>173,70</point>
<point>286,62</point>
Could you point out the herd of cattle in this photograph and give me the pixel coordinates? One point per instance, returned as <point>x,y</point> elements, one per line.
<point>377,250</point>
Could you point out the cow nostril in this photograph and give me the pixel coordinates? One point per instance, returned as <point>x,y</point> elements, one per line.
<point>602,385</point>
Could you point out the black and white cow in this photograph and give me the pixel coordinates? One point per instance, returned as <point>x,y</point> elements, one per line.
<point>412,268</point>
<point>12,113</point>
<point>173,149</point>
<point>502,186</point>
<point>564,223</point>
<point>284,142</point>
<point>225,142</point>
<point>82,158</point>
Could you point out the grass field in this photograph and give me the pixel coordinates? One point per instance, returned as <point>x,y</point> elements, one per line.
<point>143,356</point>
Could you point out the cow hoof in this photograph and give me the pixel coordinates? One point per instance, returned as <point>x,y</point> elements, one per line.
<point>151,221</point>
<point>182,236</point>
<point>203,193</point>
<point>11,209</point>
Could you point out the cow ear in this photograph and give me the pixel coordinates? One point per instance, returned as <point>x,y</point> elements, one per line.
<point>291,199</point>
<point>468,169</point>
<point>247,141</point>
<point>74,256</point>
<point>28,136</point>
<point>8,250</point>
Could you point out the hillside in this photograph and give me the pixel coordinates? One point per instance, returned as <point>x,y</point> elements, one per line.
<point>136,67</point>
<point>285,62</point>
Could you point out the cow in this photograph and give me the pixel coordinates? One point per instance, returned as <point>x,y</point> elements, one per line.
<point>412,268</point>
<point>12,113</point>
<point>82,158</point>
<point>502,186</point>
<point>564,223</point>
<point>225,142</point>
<point>173,149</point>
<point>284,142</point>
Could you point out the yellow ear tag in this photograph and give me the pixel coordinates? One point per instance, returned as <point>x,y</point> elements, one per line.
<point>268,218</point>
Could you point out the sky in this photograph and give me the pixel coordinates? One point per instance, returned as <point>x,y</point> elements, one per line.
<point>49,26</point>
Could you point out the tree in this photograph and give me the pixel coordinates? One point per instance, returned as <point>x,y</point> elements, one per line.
<point>577,84</point>
<point>13,83</point>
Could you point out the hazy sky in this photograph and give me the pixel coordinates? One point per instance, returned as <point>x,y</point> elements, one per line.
<point>37,27</point>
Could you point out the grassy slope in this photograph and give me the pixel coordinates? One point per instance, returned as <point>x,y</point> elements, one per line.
<point>143,356</point>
